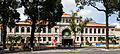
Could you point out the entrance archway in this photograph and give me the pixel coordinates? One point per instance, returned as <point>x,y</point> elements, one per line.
<point>66,37</point>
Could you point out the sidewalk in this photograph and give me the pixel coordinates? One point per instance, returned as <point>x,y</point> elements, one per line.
<point>78,50</point>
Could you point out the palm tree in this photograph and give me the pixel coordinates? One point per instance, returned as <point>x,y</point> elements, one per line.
<point>73,26</point>
<point>82,24</point>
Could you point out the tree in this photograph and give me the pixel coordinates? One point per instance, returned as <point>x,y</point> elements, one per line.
<point>9,16</point>
<point>109,5</point>
<point>82,24</point>
<point>74,27</point>
<point>42,10</point>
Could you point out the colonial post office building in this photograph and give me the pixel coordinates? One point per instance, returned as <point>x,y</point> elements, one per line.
<point>62,32</point>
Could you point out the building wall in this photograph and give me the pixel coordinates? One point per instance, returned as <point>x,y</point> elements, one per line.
<point>60,27</point>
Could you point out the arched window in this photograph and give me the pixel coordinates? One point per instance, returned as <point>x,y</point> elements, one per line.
<point>17,29</point>
<point>98,30</point>
<point>66,32</point>
<point>49,29</point>
<point>28,29</point>
<point>22,29</point>
<point>44,30</point>
<point>90,30</point>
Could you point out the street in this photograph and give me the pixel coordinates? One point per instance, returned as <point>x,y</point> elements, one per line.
<point>70,53</point>
<point>79,51</point>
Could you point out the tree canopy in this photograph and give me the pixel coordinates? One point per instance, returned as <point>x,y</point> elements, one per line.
<point>42,10</point>
<point>77,27</point>
<point>110,7</point>
<point>8,12</point>
<point>9,16</point>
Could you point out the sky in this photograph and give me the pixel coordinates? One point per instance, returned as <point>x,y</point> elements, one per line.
<point>87,12</point>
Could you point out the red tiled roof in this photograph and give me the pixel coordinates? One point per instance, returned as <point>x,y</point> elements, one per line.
<point>90,23</point>
<point>93,23</point>
<point>67,14</point>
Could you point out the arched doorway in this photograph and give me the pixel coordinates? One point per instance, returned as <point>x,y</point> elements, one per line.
<point>66,37</point>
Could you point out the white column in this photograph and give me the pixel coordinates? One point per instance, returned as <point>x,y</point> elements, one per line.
<point>47,29</point>
<point>88,29</point>
<point>13,30</point>
<point>84,39</point>
<point>88,38</point>
<point>41,39</point>
<point>19,29</point>
<point>96,38</point>
<point>92,30</point>
<point>96,30</point>
<point>80,39</point>
<point>25,39</point>
<point>47,39</point>
<point>93,39</point>
<point>25,29</point>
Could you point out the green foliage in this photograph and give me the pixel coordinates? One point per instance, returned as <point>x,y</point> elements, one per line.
<point>73,25</point>
<point>101,39</point>
<point>17,38</point>
<point>9,16</point>
<point>87,43</point>
<point>111,5</point>
<point>82,43</point>
<point>82,23</point>
<point>11,38</point>
<point>49,10</point>
<point>110,38</point>
<point>28,39</point>
<point>42,10</point>
<point>8,12</point>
